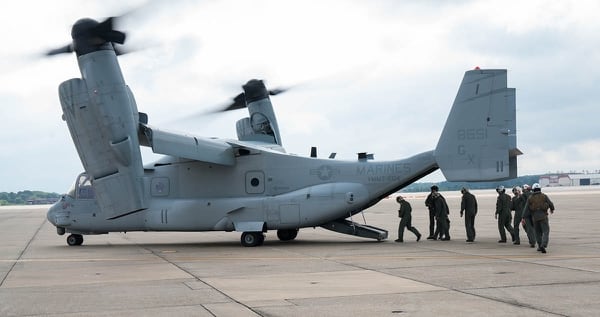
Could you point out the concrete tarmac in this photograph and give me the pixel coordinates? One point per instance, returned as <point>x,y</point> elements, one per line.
<point>321,273</point>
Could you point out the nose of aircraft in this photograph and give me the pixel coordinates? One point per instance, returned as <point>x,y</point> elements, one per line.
<point>52,212</point>
<point>59,212</point>
<point>58,216</point>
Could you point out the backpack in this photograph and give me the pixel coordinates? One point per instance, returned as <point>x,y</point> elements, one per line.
<point>538,202</point>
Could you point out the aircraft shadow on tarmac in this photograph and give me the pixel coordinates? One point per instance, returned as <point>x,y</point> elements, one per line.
<point>234,244</point>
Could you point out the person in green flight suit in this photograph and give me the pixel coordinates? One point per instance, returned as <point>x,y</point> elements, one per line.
<point>537,206</point>
<point>404,212</point>
<point>442,219</point>
<point>517,204</point>
<point>527,221</point>
<point>468,205</point>
<point>503,214</point>
<point>431,209</point>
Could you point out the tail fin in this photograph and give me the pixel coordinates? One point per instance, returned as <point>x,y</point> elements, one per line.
<point>479,140</point>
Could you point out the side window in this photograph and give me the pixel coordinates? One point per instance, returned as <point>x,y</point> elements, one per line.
<point>255,182</point>
<point>84,187</point>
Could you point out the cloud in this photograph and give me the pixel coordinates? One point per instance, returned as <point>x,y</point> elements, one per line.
<point>580,156</point>
<point>377,77</point>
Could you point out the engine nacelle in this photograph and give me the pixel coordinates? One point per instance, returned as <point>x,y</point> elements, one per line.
<point>262,123</point>
<point>102,117</point>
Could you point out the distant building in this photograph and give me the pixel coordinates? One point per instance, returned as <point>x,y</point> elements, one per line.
<point>553,180</point>
<point>43,201</point>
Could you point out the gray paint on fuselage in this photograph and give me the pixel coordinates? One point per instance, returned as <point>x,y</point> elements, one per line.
<point>204,197</point>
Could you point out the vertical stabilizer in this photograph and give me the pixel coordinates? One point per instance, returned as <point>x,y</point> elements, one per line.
<point>479,140</point>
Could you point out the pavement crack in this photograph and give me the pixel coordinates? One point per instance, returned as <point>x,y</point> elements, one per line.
<point>18,259</point>
<point>164,258</point>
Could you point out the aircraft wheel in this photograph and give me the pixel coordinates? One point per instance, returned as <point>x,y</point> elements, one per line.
<point>74,239</point>
<point>252,239</point>
<point>261,236</point>
<point>287,234</point>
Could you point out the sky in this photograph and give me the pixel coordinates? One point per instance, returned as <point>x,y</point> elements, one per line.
<point>366,76</point>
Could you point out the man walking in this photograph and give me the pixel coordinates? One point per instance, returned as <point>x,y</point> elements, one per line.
<point>517,204</point>
<point>441,211</point>
<point>528,222</point>
<point>468,205</point>
<point>430,207</point>
<point>503,214</point>
<point>537,205</point>
<point>405,214</point>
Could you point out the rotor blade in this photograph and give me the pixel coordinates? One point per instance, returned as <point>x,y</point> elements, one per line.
<point>239,102</point>
<point>122,50</point>
<point>106,31</point>
<point>277,91</point>
<point>114,36</point>
<point>104,26</point>
<point>65,49</point>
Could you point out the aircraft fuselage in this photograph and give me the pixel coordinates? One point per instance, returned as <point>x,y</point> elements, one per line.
<point>264,190</point>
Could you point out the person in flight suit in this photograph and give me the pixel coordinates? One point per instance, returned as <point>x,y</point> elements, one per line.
<point>527,221</point>
<point>537,205</point>
<point>442,211</point>
<point>468,205</point>
<point>503,214</point>
<point>517,204</point>
<point>429,204</point>
<point>405,219</point>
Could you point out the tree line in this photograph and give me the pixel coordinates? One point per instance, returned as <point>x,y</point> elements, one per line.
<point>27,197</point>
<point>452,186</point>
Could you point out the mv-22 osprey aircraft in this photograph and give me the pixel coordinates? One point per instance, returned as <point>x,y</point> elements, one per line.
<point>249,185</point>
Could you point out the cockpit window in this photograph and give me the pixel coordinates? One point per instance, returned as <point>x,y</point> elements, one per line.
<point>71,192</point>
<point>82,188</point>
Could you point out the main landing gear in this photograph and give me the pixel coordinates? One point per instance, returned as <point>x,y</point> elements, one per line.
<point>256,238</point>
<point>287,234</point>
<point>74,239</point>
<point>252,239</point>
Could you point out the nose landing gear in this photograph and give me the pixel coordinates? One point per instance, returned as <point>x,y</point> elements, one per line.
<point>74,239</point>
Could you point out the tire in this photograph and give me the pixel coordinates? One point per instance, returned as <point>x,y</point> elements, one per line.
<point>74,239</point>
<point>287,234</point>
<point>252,239</point>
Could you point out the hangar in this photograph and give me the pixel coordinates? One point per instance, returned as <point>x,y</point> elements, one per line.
<point>572,179</point>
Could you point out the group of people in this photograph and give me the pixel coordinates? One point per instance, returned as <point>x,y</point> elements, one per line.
<point>529,204</point>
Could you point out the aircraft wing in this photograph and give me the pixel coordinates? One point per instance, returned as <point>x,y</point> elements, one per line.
<point>202,149</point>
<point>256,145</point>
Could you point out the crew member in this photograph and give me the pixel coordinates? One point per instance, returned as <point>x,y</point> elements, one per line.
<point>405,219</point>
<point>537,205</point>
<point>430,207</point>
<point>503,214</point>
<point>468,205</point>
<point>517,204</point>
<point>527,221</point>
<point>441,211</point>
